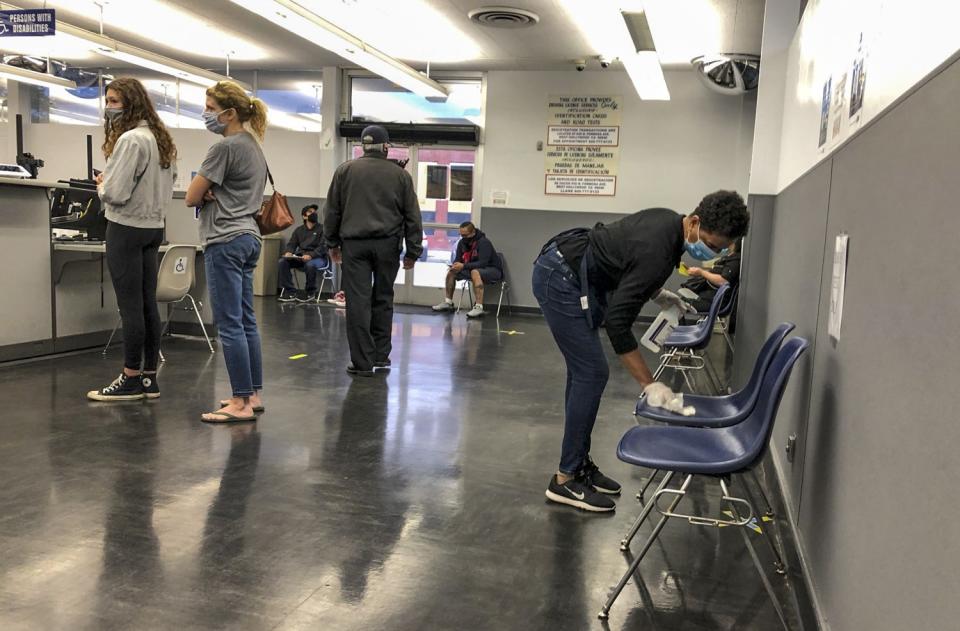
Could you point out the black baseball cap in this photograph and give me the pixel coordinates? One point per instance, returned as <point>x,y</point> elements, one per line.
<point>374,135</point>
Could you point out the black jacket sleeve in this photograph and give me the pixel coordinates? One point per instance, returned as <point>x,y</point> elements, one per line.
<point>320,248</point>
<point>486,256</point>
<point>635,289</point>
<point>412,221</point>
<point>333,212</point>
<point>458,257</point>
<point>295,241</point>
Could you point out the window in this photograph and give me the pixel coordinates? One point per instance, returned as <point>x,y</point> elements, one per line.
<point>378,100</point>
<point>461,182</point>
<point>436,181</point>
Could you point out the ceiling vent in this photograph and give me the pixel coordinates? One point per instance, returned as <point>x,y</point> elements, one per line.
<point>503,17</point>
<point>729,73</point>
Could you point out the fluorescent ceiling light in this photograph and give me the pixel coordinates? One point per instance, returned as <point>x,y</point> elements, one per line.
<point>34,78</point>
<point>170,25</point>
<point>411,29</point>
<point>684,30</point>
<point>137,56</point>
<point>647,75</point>
<point>313,28</point>
<point>165,65</point>
<point>603,25</point>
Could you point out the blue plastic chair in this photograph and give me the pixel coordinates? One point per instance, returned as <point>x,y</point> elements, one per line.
<point>684,343</point>
<point>723,410</point>
<point>718,453</point>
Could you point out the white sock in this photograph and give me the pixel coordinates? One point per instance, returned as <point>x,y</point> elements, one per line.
<point>449,301</point>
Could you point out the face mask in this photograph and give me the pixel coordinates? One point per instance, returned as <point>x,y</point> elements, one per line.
<point>210,119</point>
<point>699,250</point>
<point>112,113</point>
<point>312,218</point>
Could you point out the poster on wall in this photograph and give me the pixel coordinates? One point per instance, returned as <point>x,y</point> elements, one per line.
<point>824,113</point>
<point>838,108</point>
<point>838,285</point>
<point>583,145</point>
<point>858,81</point>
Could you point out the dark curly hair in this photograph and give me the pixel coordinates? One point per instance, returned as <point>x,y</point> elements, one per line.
<point>723,213</point>
<point>137,107</point>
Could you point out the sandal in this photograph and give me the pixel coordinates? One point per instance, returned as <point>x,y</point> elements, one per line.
<point>257,409</point>
<point>227,418</point>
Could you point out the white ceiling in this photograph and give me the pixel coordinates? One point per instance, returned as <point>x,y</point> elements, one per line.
<point>728,26</point>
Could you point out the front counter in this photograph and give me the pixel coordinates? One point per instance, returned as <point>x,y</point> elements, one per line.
<point>58,296</point>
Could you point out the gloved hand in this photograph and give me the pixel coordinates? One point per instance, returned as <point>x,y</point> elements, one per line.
<point>666,299</point>
<point>660,396</point>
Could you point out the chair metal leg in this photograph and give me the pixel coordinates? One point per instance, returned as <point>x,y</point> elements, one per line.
<point>196,310</point>
<point>605,612</point>
<point>646,485</point>
<point>162,358</point>
<point>460,301</point>
<point>768,510</point>
<point>112,333</point>
<point>625,542</point>
<point>500,302</point>
<point>779,563</point>
<point>756,563</point>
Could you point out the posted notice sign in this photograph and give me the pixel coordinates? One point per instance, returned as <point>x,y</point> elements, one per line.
<point>28,23</point>
<point>583,145</point>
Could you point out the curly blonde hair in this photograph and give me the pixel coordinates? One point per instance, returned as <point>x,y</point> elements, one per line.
<point>137,107</point>
<point>250,110</point>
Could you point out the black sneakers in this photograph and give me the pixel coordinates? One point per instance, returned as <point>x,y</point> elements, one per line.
<point>591,476</point>
<point>353,370</point>
<point>123,388</point>
<point>307,296</point>
<point>575,493</point>
<point>288,295</point>
<point>383,364</point>
<point>151,389</point>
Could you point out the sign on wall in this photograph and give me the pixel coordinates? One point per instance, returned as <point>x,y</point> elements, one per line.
<point>28,23</point>
<point>583,145</point>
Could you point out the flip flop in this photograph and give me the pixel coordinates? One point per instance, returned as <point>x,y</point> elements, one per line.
<point>227,418</point>
<point>257,409</point>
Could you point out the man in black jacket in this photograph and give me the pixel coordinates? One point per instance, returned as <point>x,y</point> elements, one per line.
<point>371,210</point>
<point>476,261</point>
<point>305,250</point>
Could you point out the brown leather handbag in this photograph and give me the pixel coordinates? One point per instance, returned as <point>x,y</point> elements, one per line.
<point>274,215</point>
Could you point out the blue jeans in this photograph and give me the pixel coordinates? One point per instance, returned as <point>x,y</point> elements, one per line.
<point>557,289</point>
<point>230,283</point>
<point>310,268</point>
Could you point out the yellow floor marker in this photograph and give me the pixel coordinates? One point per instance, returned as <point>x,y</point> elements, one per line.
<point>300,356</point>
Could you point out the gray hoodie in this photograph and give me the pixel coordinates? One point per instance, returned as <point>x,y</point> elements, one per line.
<point>135,190</point>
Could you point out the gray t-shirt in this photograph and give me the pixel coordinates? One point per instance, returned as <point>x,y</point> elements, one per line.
<point>238,170</point>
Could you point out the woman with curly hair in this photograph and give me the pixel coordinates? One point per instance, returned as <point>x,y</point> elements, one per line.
<point>134,189</point>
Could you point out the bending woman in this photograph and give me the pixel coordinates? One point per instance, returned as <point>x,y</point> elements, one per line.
<point>134,188</point>
<point>229,187</point>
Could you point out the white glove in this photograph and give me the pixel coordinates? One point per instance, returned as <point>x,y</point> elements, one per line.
<point>666,299</point>
<point>660,396</point>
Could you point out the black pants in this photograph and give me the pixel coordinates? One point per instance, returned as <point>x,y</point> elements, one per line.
<point>369,308</point>
<point>132,261</point>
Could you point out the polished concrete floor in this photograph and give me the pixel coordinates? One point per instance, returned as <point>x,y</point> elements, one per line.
<point>411,501</point>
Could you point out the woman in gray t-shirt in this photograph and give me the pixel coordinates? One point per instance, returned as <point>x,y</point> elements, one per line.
<point>229,189</point>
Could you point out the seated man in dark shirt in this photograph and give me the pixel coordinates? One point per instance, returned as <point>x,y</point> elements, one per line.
<point>476,261</point>
<point>705,281</point>
<point>305,250</point>
<point>583,278</point>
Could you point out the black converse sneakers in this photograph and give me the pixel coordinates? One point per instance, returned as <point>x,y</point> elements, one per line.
<point>575,493</point>
<point>151,389</point>
<point>123,388</point>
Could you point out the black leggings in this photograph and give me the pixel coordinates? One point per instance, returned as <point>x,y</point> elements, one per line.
<point>132,261</point>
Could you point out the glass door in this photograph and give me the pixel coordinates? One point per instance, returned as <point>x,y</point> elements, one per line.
<point>443,177</point>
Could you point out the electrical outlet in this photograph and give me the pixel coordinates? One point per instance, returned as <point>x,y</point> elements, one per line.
<point>791,447</point>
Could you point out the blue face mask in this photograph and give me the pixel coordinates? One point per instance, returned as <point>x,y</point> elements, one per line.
<point>699,250</point>
<point>212,122</point>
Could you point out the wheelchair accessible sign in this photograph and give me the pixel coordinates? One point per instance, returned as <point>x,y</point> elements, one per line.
<point>28,23</point>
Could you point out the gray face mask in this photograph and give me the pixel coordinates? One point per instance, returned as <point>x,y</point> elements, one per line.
<point>212,122</point>
<point>111,114</point>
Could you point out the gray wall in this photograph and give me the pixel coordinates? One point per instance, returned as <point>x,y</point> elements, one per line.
<point>873,486</point>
